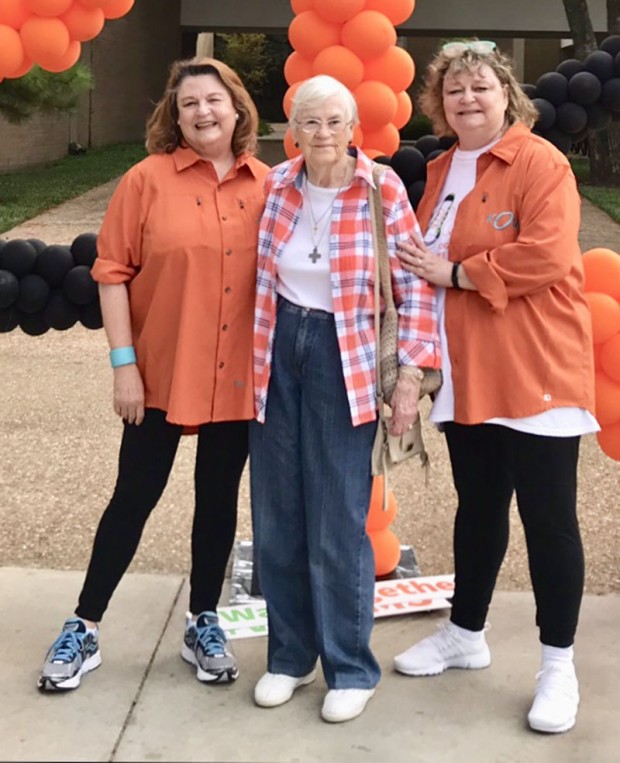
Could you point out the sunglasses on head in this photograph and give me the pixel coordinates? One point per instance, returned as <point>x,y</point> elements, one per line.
<point>481,47</point>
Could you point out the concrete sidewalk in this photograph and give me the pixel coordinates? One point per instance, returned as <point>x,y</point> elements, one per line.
<point>144,703</point>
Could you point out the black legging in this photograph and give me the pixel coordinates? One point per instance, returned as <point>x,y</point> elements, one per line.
<point>146,457</point>
<point>489,463</point>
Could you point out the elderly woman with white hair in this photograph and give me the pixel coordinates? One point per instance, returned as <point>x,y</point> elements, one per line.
<point>314,377</point>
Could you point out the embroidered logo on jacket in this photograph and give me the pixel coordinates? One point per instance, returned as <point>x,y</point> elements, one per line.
<point>503,220</point>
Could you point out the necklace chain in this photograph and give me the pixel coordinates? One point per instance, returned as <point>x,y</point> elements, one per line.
<point>314,228</point>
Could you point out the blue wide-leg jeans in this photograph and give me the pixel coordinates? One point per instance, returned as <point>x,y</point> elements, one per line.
<point>310,485</point>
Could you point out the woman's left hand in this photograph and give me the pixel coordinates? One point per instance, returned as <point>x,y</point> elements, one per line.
<point>404,404</point>
<point>417,258</point>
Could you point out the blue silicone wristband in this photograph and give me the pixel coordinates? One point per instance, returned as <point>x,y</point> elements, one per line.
<point>122,356</point>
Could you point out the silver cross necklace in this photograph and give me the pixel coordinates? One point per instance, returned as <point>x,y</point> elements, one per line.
<point>315,255</point>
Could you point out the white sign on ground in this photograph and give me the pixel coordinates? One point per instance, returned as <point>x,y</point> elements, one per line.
<point>392,597</point>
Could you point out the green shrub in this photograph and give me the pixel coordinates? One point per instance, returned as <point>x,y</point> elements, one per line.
<point>416,127</point>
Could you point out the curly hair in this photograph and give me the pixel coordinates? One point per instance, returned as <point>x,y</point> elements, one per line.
<point>162,130</point>
<point>520,107</point>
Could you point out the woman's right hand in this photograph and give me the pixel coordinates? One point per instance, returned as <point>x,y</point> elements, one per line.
<point>129,394</point>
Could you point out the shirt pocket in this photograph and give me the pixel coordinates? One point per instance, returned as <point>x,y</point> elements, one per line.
<point>174,223</point>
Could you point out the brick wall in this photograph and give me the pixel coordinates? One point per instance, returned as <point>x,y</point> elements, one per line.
<point>129,61</point>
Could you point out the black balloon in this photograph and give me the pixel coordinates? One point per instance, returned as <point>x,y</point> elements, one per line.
<point>37,243</point>
<point>529,90</point>
<point>598,116</point>
<point>552,87</point>
<point>382,159</point>
<point>59,313</point>
<point>546,114</point>
<point>447,141</point>
<point>9,289</point>
<point>617,64</point>
<point>84,249</point>
<point>601,64</point>
<point>584,88</point>
<point>90,315</point>
<point>9,319</point>
<point>415,191</point>
<point>434,154</point>
<point>18,257</point>
<point>409,164</point>
<point>53,264</point>
<point>79,286</point>
<point>569,67</point>
<point>571,118</point>
<point>427,143</point>
<point>611,44</point>
<point>33,324</point>
<point>33,294</point>
<point>560,140</point>
<point>610,95</point>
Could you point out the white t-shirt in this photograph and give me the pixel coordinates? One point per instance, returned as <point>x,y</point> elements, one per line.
<point>556,422</point>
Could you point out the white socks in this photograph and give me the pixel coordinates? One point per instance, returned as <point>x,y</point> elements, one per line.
<point>559,655</point>
<point>467,634</point>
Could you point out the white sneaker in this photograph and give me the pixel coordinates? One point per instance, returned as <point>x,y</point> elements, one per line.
<point>344,704</point>
<point>556,700</point>
<point>444,649</point>
<point>275,689</point>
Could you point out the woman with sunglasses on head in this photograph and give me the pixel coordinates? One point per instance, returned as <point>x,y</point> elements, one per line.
<point>501,215</point>
<point>176,267</point>
<point>314,366</point>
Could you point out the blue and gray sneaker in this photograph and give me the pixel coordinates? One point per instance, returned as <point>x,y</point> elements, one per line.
<point>205,646</point>
<point>75,652</point>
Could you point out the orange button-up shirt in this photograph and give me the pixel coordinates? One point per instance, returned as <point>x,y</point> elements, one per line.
<point>186,243</point>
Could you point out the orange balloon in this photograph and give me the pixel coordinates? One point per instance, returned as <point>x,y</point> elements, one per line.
<point>395,68</point>
<point>607,399</point>
<point>386,547</point>
<point>297,68</point>
<point>368,35</point>
<point>596,352</point>
<point>13,13</point>
<point>44,38</point>
<point>376,103</point>
<point>398,11</point>
<point>48,7</point>
<point>114,9</point>
<point>83,23</point>
<point>339,62</point>
<point>94,3</point>
<point>299,6</point>
<point>609,440</point>
<point>23,69</point>
<point>377,518</point>
<point>358,136</point>
<point>11,51</point>
<point>602,270</point>
<point>338,11</point>
<point>609,358</point>
<point>386,139</point>
<point>308,33</point>
<point>62,63</point>
<point>605,313</point>
<point>373,153</point>
<point>290,149</point>
<point>287,101</point>
<point>404,110</point>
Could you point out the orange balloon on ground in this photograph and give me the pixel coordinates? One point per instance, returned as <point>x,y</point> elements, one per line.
<point>377,518</point>
<point>308,33</point>
<point>44,38</point>
<point>83,23</point>
<point>13,13</point>
<point>377,105</point>
<point>48,7</point>
<point>404,110</point>
<point>338,11</point>
<point>290,149</point>
<point>609,440</point>
<point>386,548</point>
<point>339,62</point>
<point>11,51</point>
<point>398,11</point>
<point>386,139</point>
<point>395,68</point>
<point>299,6</point>
<point>114,9</point>
<point>368,35</point>
<point>297,68</point>
<point>602,271</point>
<point>609,358</point>
<point>607,399</point>
<point>605,313</point>
<point>62,63</point>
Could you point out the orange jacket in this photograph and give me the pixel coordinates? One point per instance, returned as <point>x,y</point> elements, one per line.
<point>522,343</point>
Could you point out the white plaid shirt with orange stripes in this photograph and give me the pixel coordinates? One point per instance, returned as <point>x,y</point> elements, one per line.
<point>352,277</point>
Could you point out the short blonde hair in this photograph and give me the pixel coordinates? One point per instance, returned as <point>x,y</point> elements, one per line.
<point>316,90</point>
<point>520,107</point>
<point>162,131</point>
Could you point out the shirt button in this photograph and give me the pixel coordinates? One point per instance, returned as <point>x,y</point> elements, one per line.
<point>221,365</point>
<point>224,217</point>
<point>227,290</point>
<point>225,327</point>
<point>547,397</point>
<point>228,252</point>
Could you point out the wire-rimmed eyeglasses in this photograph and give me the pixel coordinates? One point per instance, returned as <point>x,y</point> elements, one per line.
<point>312,125</point>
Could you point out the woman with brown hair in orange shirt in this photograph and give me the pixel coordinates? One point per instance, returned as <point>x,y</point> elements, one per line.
<point>176,267</point>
